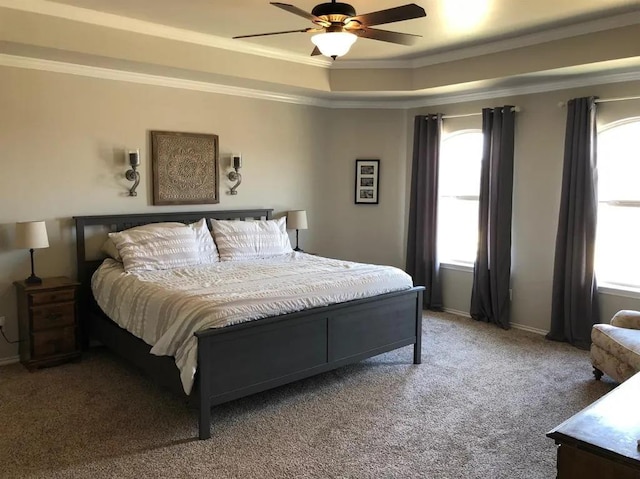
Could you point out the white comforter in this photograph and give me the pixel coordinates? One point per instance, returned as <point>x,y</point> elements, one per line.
<point>165,308</point>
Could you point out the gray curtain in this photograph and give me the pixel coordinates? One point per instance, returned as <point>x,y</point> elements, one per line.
<point>422,261</point>
<point>574,303</point>
<point>490,298</point>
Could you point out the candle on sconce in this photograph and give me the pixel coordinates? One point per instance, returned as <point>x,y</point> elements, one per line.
<point>134,157</point>
<point>237,161</point>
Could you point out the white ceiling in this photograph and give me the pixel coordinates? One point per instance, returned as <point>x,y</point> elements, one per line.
<point>449,24</point>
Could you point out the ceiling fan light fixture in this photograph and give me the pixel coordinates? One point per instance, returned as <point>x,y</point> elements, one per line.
<point>334,44</point>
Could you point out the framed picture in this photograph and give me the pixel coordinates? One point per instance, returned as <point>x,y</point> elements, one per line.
<point>367,181</point>
<point>185,168</point>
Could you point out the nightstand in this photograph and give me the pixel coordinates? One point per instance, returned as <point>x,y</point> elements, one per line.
<point>48,322</point>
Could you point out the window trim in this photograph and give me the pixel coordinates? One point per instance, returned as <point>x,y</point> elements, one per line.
<point>619,290</point>
<point>457,266</point>
<point>617,123</point>
<point>463,197</point>
<point>621,203</point>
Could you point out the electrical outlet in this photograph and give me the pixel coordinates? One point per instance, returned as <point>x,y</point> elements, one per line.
<point>1,322</point>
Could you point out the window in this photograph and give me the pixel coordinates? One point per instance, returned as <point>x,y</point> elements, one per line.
<point>458,197</point>
<point>618,231</point>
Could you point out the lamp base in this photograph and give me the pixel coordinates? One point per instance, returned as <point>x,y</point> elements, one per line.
<point>33,280</point>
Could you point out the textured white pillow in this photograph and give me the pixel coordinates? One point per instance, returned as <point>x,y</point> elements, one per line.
<point>109,247</point>
<point>237,240</point>
<point>206,246</point>
<point>158,248</point>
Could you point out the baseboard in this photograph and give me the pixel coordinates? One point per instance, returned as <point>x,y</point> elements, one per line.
<point>522,327</point>
<point>464,314</point>
<point>9,360</point>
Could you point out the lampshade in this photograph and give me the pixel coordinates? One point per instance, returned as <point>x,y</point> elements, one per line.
<point>31,234</point>
<point>297,220</point>
<point>334,44</point>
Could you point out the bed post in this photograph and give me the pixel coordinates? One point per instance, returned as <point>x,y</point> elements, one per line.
<point>417,347</point>
<point>204,414</point>
<point>81,273</point>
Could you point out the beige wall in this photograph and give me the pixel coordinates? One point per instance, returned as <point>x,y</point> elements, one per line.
<point>360,232</point>
<point>539,144</point>
<point>63,138</point>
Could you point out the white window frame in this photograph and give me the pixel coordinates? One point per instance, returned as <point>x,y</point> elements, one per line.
<point>614,288</point>
<point>448,263</point>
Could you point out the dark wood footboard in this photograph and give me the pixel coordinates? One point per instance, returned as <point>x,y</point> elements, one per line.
<point>240,360</point>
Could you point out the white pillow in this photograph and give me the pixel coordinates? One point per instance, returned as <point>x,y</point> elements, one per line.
<point>206,246</point>
<point>157,248</point>
<point>109,247</point>
<point>238,240</point>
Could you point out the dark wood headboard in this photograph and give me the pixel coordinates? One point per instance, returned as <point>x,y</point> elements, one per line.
<point>87,266</point>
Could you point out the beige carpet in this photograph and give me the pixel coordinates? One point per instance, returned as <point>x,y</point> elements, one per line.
<point>478,407</point>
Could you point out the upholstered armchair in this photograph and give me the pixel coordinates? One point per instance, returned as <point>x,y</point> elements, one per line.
<point>615,347</point>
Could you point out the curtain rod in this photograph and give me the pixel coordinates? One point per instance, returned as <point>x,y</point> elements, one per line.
<point>445,117</point>
<point>606,100</point>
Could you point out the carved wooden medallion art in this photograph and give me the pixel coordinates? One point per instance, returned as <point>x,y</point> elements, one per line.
<point>185,168</point>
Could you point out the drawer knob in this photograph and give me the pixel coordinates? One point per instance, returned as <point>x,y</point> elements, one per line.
<point>53,317</point>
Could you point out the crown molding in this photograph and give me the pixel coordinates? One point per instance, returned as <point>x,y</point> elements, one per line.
<point>591,79</point>
<point>334,103</point>
<point>155,80</point>
<point>557,33</point>
<point>118,22</point>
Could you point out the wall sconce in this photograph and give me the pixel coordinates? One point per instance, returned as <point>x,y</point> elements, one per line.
<point>133,174</point>
<point>236,163</point>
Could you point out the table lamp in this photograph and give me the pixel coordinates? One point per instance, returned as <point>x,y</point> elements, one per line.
<point>32,235</point>
<point>297,220</point>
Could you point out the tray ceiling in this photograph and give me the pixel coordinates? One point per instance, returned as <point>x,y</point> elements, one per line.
<point>449,24</point>
<point>467,47</point>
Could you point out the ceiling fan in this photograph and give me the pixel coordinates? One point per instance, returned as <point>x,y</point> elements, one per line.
<point>337,26</point>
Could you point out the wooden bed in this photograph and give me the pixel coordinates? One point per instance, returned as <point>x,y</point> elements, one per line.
<point>239,360</point>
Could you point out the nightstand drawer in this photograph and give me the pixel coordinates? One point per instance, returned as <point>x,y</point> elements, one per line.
<point>54,341</point>
<point>52,316</point>
<point>56,296</point>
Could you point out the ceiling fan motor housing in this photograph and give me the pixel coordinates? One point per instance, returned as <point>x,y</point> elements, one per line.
<point>343,10</point>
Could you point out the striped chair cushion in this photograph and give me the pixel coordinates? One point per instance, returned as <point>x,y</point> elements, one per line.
<point>239,240</point>
<point>160,248</point>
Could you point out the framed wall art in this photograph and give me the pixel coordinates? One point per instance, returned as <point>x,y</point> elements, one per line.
<point>367,181</point>
<point>185,168</point>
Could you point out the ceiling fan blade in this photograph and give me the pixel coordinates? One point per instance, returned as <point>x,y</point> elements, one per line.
<point>386,36</point>
<point>396,14</point>
<point>316,51</point>
<point>301,13</point>
<point>304,30</point>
